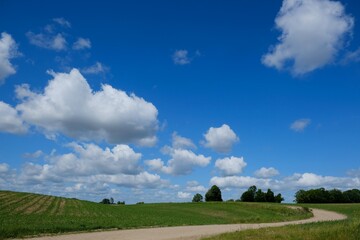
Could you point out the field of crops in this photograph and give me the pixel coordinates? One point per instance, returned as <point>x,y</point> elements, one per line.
<point>348,229</point>
<point>24,214</point>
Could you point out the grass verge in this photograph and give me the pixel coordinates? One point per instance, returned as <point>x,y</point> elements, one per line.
<point>348,229</point>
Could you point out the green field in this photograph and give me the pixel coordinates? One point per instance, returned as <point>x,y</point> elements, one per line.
<point>25,214</point>
<point>348,229</point>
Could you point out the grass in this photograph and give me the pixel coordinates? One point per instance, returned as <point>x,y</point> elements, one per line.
<point>348,229</point>
<point>25,214</point>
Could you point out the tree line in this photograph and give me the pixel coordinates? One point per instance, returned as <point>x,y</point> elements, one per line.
<point>251,195</point>
<point>321,195</point>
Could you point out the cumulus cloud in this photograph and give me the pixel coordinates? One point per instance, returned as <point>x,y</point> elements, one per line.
<point>182,162</point>
<point>97,68</point>
<point>8,50</point>
<point>220,139</point>
<point>69,106</point>
<point>4,168</point>
<point>313,33</point>
<point>82,43</point>
<point>266,172</point>
<point>53,42</point>
<point>183,195</point>
<point>239,182</point>
<point>10,121</point>
<point>180,57</point>
<point>300,125</point>
<point>230,165</point>
<point>181,142</point>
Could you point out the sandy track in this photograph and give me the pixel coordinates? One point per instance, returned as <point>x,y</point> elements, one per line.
<point>188,232</point>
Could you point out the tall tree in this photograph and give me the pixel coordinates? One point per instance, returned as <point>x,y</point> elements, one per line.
<point>213,194</point>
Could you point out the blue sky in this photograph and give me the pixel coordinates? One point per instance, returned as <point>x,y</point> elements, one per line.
<point>156,101</point>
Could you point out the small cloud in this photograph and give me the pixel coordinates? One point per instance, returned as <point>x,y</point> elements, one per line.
<point>33,155</point>
<point>220,139</point>
<point>53,42</point>
<point>82,43</point>
<point>352,57</point>
<point>97,68</point>
<point>181,142</point>
<point>266,172</point>
<point>180,57</point>
<point>300,125</point>
<point>183,195</point>
<point>63,22</point>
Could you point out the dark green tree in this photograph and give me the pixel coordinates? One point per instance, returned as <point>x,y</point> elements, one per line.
<point>260,196</point>
<point>213,194</point>
<point>279,198</point>
<point>105,201</point>
<point>270,197</point>
<point>197,198</point>
<point>249,195</point>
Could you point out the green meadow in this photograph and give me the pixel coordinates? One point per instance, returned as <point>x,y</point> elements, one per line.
<point>26,214</point>
<point>348,229</point>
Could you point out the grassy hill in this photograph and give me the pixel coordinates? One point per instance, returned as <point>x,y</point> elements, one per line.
<point>24,214</point>
<point>348,229</point>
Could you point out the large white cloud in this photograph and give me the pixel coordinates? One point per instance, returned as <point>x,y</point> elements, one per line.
<point>10,121</point>
<point>68,105</point>
<point>220,139</point>
<point>88,164</point>
<point>230,165</point>
<point>313,33</point>
<point>182,162</point>
<point>8,50</point>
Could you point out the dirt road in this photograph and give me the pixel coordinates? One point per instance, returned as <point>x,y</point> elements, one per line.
<point>187,232</point>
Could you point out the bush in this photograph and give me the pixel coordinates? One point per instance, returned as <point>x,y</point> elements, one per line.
<point>197,198</point>
<point>213,195</point>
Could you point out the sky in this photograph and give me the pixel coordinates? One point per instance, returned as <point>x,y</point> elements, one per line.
<point>156,101</point>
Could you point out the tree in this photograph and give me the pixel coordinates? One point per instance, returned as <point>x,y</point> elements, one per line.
<point>279,198</point>
<point>213,194</point>
<point>197,198</point>
<point>111,200</point>
<point>260,196</point>
<point>270,197</point>
<point>249,195</point>
<point>105,201</point>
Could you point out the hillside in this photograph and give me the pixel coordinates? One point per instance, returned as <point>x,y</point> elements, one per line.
<point>24,214</point>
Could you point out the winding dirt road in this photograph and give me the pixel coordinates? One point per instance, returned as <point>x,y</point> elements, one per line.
<point>188,232</point>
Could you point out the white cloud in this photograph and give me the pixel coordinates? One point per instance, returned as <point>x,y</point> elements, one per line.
<point>183,195</point>
<point>4,168</point>
<point>181,142</point>
<point>239,182</point>
<point>230,165</point>
<point>220,139</point>
<point>182,162</point>
<point>36,154</point>
<point>8,50</point>
<point>194,186</point>
<point>82,43</point>
<point>63,22</point>
<point>97,68</point>
<point>10,121</point>
<point>69,106</point>
<point>300,125</point>
<point>266,172</point>
<point>313,33</point>
<point>352,56</point>
<point>180,57</point>
<point>54,42</point>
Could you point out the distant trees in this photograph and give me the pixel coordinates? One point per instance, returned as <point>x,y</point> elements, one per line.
<point>110,201</point>
<point>213,194</point>
<point>321,195</point>
<point>257,195</point>
<point>197,198</point>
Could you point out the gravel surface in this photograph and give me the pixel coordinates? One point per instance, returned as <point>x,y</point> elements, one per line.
<point>187,232</point>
